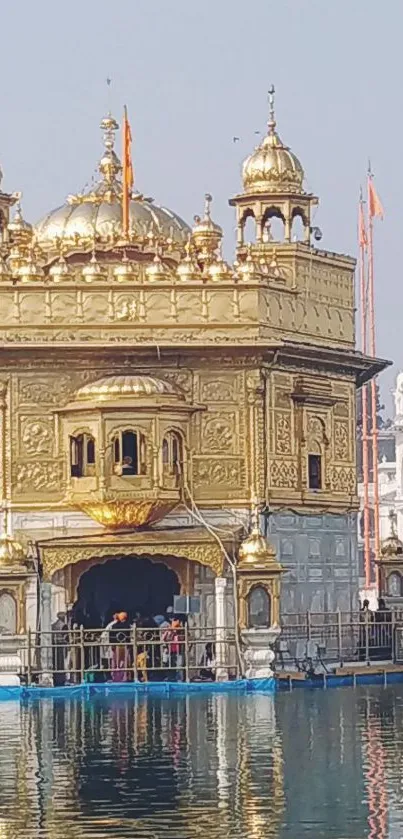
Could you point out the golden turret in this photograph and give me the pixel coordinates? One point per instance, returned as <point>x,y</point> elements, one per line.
<point>206,234</point>
<point>157,271</point>
<point>272,167</point>
<point>392,546</point>
<point>125,271</point>
<point>60,270</point>
<point>188,269</point>
<point>218,270</point>
<point>93,271</point>
<point>255,551</point>
<point>248,271</point>
<point>29,270</point>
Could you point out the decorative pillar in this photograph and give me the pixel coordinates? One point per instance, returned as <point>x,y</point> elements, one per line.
<point>220,622</point>
<point>258,583</point>
<point>46,634</point>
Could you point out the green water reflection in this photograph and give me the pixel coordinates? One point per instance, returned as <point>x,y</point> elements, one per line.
<point>320,764</point>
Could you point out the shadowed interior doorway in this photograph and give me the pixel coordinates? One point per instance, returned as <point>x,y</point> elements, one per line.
<point>130,584</point>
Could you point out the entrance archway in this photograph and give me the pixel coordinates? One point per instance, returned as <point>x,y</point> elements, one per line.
<point>130,584</point>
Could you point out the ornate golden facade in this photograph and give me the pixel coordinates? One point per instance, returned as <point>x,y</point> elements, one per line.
<point>254,364</point>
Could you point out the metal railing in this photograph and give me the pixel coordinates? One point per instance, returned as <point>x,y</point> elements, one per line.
<point>316,639</point>
<point>82,655</point>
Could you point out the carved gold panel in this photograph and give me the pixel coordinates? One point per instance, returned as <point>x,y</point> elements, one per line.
<point>64,307</point>
<point>219,432</point>
<point>95,307</point>
<point>215,476</point>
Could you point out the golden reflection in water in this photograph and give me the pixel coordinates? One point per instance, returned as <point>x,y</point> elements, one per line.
<point>374,762</point>
<point>176,768</point>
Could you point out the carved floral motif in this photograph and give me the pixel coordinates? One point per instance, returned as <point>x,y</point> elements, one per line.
<point>37,438</point>
<point>283,433</point>
<point>42,476</point>
<point>227,473</point>
<point>283,474</point>
<point>219,390</point>
<point>341,442</point>
<point>218,433</point>
<point>342,479</point>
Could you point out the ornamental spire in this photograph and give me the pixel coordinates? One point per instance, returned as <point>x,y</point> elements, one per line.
<point>272,118</point>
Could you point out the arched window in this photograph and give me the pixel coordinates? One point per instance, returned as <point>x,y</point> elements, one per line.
<point>273,225</point>
<point>249,228</point>
<point>82,456</point>
<point>172,454</point>
<point>129,453</point>
<point>8,614</point>
<point>298,228</point>
<point>259,607</point>
<point>394,582</point>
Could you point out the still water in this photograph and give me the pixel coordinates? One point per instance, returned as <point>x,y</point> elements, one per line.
<point>320,764</point>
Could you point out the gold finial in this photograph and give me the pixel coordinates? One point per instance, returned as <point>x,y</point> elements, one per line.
<point>207,202</point>
<point>255,515</point>
<point>272,117</point>
<point>109,165</point>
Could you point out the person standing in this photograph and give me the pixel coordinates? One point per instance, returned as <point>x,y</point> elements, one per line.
<point>120,636</point>
<point>106,649</point>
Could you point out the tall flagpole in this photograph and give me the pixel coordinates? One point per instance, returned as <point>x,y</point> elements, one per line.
<point>372,348</point>
<point>127,179</point>
<point>364,392</point>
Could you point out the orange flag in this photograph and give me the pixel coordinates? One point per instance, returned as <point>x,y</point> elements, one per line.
<point>375,208</point>
<point>362,231</point>
<point>128,177</point>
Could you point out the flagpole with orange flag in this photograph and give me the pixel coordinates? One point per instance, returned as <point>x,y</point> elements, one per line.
<point>375,210</point>
<point>363,242</point>
<point>128,179</point>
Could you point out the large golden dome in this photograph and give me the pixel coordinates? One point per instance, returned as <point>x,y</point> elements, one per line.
<point>95,216</point>
<point>127,387</point>
<point>272,167</point>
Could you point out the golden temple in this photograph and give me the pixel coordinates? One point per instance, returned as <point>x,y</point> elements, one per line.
<point>149,389</point>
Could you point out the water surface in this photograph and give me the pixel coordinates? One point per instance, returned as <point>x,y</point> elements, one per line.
<point>319,764</point>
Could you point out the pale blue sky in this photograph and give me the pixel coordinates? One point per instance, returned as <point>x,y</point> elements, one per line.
<point>194,75</point>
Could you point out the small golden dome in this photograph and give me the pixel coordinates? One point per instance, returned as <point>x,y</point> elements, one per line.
<point>206,234</point>
<point>219,271</point>
<point>29,270</point>
<point>188,270</point>
<point>11,551</point>
<point>157,271</point>
<point>127,387</point>
<point>125,270</point>
<point>392,546</point>
<point>93,270</point>
<point>272,167</point>
<point>256,551</point>
<point>20,229</point>
<point>60,270</point>
<point>249,270</point>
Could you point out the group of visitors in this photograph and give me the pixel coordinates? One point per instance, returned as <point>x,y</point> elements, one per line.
<point>375,636</point>
<point>146,648</point>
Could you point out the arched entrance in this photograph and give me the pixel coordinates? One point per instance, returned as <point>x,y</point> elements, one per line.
<point>130,584</point>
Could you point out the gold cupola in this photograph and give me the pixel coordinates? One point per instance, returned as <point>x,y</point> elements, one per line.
<point>258,569</point>
<point>157,272</point>
<point>96,214</point>
<point>29,270</point>
<point>188,270</point>
<point>125,270</point>
<point>218,271</point>
<point>248,271</point>
<point>93,271</point>
<point>272,166</point>
<point>392,546</point>
<point>273,187</point>
<point>11,551</point>
<point>60,270</point>
<point>206,234</point>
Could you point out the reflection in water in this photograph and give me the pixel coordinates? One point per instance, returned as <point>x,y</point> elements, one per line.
<point>320,764</point>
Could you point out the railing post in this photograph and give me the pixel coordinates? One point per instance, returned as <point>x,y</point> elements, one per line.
<point>339,637</point>
<point>29,665</point>
<point>134,643</point>
<point>187,672</point>
<point>82,653</point>
<point>367,638</point>
<point>393,640</point>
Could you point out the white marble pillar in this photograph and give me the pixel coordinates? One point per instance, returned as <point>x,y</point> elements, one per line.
<point>221,624</point>
<point>46,634</point>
